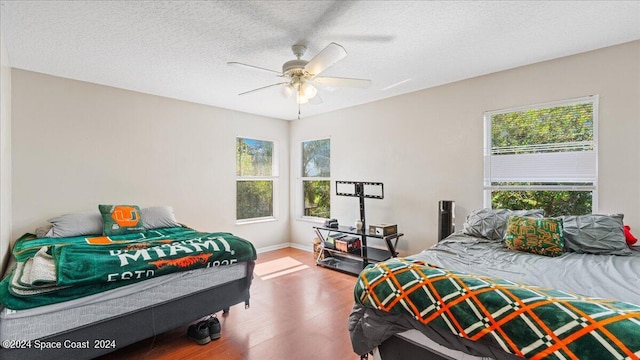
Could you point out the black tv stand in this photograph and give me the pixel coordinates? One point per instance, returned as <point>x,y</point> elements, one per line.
<point>353,263</point>
<point>349,262</point>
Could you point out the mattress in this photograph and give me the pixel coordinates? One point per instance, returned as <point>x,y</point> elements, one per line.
<point>35,323</point>
<point>602,276</point>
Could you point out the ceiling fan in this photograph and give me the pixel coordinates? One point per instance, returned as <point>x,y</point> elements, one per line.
<point>301,76</point>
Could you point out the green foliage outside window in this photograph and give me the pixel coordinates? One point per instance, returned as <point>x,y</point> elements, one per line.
<point>554,203</point>
<point>254,157</point>
<point>316,158</point>
<point>317,198</point>
<point>316,161</point>
<point>555,125</point>
<point>254,197</point>
<point>559,128</point>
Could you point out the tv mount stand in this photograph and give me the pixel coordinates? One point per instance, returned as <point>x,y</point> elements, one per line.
<point>359,192</point>
<point>350,262</point>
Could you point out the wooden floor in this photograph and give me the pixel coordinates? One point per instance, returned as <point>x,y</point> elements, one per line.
<point>298,315</point>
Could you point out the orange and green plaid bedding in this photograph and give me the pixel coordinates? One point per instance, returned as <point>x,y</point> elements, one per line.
<point>527,321</point>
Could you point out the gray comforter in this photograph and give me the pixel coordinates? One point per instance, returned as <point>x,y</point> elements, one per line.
<point>605,276</point>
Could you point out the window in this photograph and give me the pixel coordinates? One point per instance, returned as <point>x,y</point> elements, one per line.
<point>316,182</point>
<point>543,156</point>
<point>256,176</point>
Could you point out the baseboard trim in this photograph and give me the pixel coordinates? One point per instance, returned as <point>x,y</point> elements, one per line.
<point>307,248</point>
<point>272,248</point>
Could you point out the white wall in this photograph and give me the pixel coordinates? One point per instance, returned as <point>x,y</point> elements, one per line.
<point>5,152</point>
<point>69,153</point>
<point>77,145</point>
<point>427,146</point>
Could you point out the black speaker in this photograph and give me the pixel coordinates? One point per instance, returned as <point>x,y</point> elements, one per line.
<point>446,218</point>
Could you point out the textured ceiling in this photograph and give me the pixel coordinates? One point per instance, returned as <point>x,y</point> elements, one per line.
<point>179,49</point>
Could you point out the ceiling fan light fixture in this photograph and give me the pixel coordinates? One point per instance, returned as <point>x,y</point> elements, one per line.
<point>301,99</point>
<point>308,90</point>
<point>288,90</point>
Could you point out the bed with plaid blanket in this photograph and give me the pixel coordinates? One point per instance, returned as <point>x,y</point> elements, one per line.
<point>527,321</point>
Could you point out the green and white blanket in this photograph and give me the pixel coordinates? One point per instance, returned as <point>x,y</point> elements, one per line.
<point>527,321</point>
<point>52,270</point>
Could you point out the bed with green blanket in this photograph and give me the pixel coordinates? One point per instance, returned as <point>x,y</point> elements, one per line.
<point>53,277</point>
<point>52,270</point>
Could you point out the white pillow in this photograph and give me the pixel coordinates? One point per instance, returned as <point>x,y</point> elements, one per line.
<point>78,224</point>
<point>158,217</point>
<point>42,231</point>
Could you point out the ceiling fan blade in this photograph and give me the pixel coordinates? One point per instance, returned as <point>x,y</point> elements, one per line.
<point>342,82</point>
<point>325,59</point>
<point>261,88</point>
<point>234,63</point>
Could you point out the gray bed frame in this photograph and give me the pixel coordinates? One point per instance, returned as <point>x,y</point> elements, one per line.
<point>401,348</point>
<point>397,348</point>
<point>143,323</point>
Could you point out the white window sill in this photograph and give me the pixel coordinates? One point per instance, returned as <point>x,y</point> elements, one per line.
<point>311,220</point>
<point>255,221</point>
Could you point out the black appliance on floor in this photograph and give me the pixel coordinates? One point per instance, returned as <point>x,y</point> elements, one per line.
<point>446,218</point>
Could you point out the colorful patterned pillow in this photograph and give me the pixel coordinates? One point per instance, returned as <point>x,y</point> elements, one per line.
<point>121,219</point>
<point>538,236</point>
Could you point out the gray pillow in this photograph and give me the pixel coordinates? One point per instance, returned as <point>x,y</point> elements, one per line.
<point>158,217</point>
<point>492,223</point>
<point>595,234</point>
<point>78,224</point>
<point>42,231</point>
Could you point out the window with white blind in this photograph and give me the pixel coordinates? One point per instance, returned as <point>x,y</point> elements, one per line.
<point>543,156</point>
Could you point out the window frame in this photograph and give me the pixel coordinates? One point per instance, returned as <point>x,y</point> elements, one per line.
<point>274,178</point>
<point>488,187</point>
<point>302,179</point>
